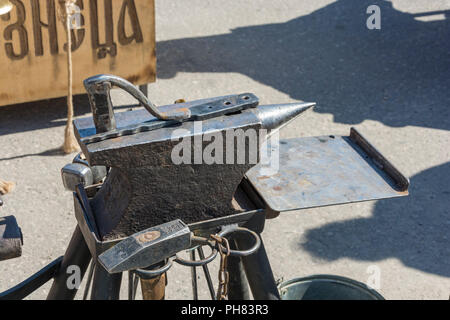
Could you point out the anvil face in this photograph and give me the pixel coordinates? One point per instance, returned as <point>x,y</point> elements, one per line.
<point>139,149</point>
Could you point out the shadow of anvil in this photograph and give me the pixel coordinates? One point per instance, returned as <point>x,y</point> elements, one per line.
<point>161,175</point>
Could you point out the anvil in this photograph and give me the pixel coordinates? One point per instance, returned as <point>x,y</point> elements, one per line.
<point>157,169</point>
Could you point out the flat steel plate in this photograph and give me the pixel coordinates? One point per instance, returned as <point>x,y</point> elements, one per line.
<point>328,170</point>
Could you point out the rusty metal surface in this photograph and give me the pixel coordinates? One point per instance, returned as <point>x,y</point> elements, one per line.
<point>327,170</point>
<point>145,187</point>
<point>140,192</point>
<point>137,195</point>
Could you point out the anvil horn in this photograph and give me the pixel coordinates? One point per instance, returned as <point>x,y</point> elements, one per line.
<point>276,116</point>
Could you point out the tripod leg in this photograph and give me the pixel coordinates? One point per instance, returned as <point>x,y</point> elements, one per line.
<point>77,254</point>
<point>258,271</point>
<point>105,286</point>
<point>238,287</point>
<point>207,274</point>
<point>194,277</point>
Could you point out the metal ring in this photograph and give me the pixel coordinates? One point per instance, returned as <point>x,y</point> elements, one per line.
<point>198,263</point>
<point>241,253</point>
<point>193,248</point>
<point>149,274</point>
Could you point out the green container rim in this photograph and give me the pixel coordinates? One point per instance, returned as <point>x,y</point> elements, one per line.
<point>332,278</point>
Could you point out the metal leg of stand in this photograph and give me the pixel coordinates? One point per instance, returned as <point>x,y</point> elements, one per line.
<point>207,274</point>
<point>194,277</point>
<point>77,254</point>
<point>238,287</point>
<point>258,271</point>
<point>106,286</point>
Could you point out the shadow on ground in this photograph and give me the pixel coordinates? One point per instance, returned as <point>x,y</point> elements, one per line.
<point>398,75</point>
<point>39,115</point>
<point>414,229</point>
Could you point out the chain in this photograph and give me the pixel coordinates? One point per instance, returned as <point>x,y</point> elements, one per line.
<point>224,277</point>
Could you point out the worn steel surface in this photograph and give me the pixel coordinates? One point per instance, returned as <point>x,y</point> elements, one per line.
<point>84,217</point>
<point>99,87</point>
<point>145,186</point>
<point>327,170</point>
<point>80,172</point>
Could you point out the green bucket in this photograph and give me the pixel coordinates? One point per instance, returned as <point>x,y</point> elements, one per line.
<point>326,287</point>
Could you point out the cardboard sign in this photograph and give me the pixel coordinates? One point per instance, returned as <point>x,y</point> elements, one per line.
<point>110,36</point>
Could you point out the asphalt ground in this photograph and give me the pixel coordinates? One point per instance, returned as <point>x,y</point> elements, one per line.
<point>391,84</point>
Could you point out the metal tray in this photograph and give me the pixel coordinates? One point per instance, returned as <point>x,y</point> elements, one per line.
<point>328,170</point>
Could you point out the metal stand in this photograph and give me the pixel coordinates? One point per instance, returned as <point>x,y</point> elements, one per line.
<point>77,254</point>
<point>105,286</point>
<point>258,272</point>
